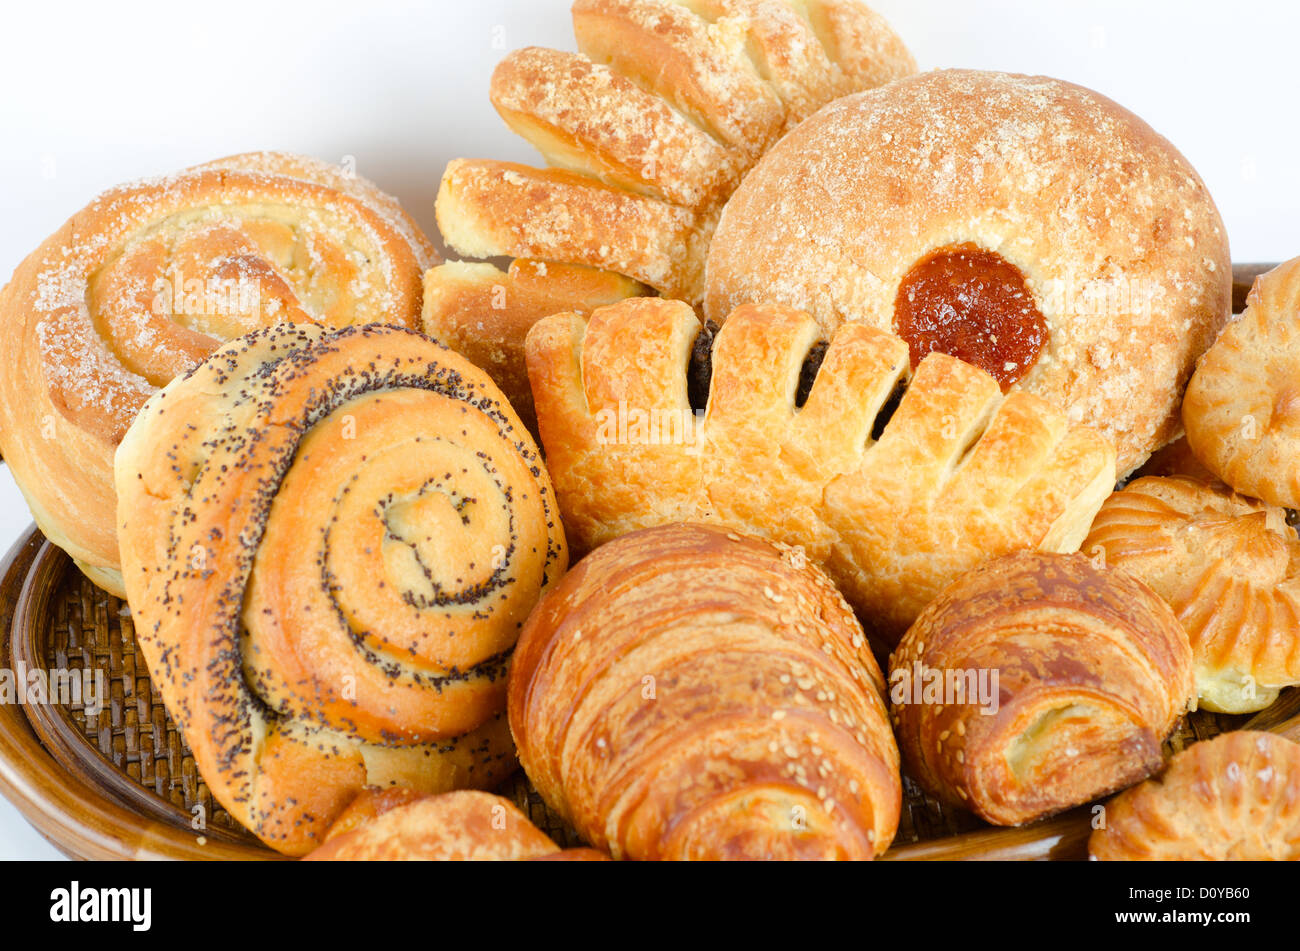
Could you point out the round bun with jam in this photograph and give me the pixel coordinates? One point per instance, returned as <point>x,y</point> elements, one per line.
<point>1023,224</point>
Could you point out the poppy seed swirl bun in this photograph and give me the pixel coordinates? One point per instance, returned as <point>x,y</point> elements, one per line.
<point>331,542</point>
<point>1026,225</point>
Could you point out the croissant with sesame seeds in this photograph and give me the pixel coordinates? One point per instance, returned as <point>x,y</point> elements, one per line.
<point>686,692</point>
<point>330,542</point>
<point>1233,798</point>
<point>1037,683</point>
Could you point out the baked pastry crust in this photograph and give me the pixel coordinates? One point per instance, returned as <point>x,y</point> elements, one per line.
<point>959,474</point>
<point>485,313</point>
<point>689,693</point>
<point>1093,673</point>
<point>647,131</point>
<point>1242,408</point>
<point>149,279</point>
<point>462,826</point>
<point>330,542</point>
<point>1230,568</point>
<point>1233,798</point>
<point>1116,236</point>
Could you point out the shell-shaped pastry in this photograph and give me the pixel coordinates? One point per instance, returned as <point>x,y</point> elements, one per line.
<point>1233,798</point>
<point>1242,409</point>
<point>331,542</point>
<point>1229,566</point>
<point>1036,683</point>
<point>894,502</point>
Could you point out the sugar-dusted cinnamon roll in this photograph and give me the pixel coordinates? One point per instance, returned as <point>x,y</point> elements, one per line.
<point>1036,683</point>
<point>1242,408</point>
<point>330,541</point>
<point>686,692</point>
<point>149,279</point>
<point>399,825</point>
<point>1230,568</point>
<point>894,500</point>
<point>1233,798</point>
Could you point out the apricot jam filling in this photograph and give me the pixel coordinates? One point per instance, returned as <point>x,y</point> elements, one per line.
<point>972,304</point>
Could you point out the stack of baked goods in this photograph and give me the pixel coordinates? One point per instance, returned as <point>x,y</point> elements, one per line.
<point>835,370</point>
<point>646,132</point>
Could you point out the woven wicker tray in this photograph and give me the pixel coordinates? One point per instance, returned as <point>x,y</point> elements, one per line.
<point>122,783</point>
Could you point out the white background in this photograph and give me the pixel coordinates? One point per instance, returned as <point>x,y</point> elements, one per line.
<point>95,94</point>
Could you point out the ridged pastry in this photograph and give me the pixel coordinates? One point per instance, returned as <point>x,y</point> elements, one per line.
<point>893,510</point>
<point>153,276</point>
<point>466,826</point>
<point>1092,673</point>
<point>1242,408</point>
<point>689,693</point>
<point>1230,568</point>
<point>1024,224</point>
<point>330,542</point>
<point>647,131</point>
<point>1233,798</point>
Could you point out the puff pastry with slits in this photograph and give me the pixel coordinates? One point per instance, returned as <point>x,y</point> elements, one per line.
<point>960,473</point>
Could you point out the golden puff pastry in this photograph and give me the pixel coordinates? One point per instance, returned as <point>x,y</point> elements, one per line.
<point>1230,568</point>
<point>330,543</point>
<point>1036,683</point>
<point>689,693</point>
<point>1242,408</point>
<point>894,507</point>
<point>1233,798</point>
<point>400,825</point>
<point>150,278</point>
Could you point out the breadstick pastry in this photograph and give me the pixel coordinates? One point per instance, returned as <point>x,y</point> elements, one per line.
<point>150,278</point>
<point>807,444</point>
<point>400,825</point>
<point>646,132</point>
<point>1229,566</point>
<point>1026,225</point>
<point>1242,409</point>
<point>330,541</point>
<point>1037,683</point>
<point>690,693</point>
<point>1233,798</point>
